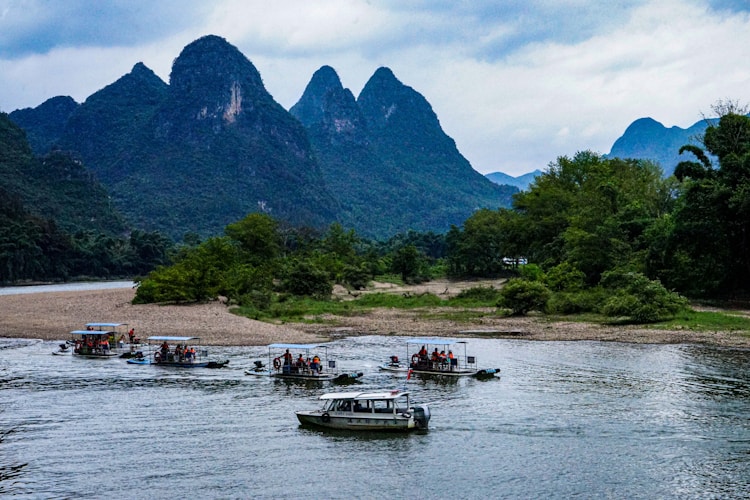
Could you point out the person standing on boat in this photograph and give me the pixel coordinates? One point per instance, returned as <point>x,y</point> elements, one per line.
<point>287,357</point>
<point>452,360</point>
<point>423,353</point>
<point>315,365</point>
<point>131,335</point>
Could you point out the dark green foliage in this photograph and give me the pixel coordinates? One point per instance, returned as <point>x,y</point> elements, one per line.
<point>356,278</point>
<point>478,295</point>
<point>57,223</point>
<point>488,244</point>
<point>564,277</point>
<point>198,274</point>
<point>703,248</point>
<point>522,296</point>
<point>258,238</point>
<point>639,299</point>
<point>410,264</point>
<point>576,302</point>
<point>304,279</point>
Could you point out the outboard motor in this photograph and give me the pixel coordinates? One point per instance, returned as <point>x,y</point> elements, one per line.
<point>422,416</point>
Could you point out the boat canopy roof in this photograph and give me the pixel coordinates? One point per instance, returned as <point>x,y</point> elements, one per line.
<point>294,346</point>
<point>435,341</point>
<point>172,339</point>
<point>365,395</point>
<point>92,332</point>
<point>106,325</point>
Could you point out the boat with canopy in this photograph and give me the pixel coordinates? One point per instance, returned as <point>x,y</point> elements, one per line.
<point>180,352</point>
<point>440,356</point>
<point>301,362</point>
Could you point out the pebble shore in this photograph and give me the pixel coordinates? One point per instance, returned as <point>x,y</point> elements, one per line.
<point>51,315</point>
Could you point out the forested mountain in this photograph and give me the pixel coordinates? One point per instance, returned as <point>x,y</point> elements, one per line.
<point>201,152</point>
<point>387,158</point>
<point>46,123</point>
<point>57,222</point>
<point>647,139</point>
<point>54,187</point>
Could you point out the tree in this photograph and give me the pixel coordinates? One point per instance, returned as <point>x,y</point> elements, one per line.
<point>707,251</point>
<point>410,264</point>
<point>641,300</point>
<point>258,237</point>
<point>304,279</point>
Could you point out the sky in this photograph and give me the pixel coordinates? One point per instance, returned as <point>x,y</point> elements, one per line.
<point>516,83</point>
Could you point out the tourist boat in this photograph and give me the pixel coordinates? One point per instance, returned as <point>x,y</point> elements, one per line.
<point>310,365</point>
<point>367,411</point>
<point>440,356</point>
<point>95,343</point>
<point>180,352</point>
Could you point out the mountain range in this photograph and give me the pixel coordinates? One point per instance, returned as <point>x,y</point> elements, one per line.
<point>522,182</point>
<point>212,145</point>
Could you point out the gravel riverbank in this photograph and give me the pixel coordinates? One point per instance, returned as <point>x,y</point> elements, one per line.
<point>52,315</point>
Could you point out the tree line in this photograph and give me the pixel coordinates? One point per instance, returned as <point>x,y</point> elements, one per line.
<point>597,234</point>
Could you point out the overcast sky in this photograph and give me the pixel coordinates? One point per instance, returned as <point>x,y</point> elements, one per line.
<point>515,83</point>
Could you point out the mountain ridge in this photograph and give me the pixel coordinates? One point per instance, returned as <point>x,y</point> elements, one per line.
<point>212,145</point>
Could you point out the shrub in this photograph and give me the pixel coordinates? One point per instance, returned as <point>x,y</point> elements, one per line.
<point>564,277</point>
<point>639,299</point>
<point>531,272</point>
<point>479,295</point>
<point>522,296</point>
<point>576,302</point>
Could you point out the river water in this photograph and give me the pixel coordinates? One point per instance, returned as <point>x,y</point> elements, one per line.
<point>564,419</point>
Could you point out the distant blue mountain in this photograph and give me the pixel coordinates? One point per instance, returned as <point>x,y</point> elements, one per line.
<point>521,182</point>
<point>647,139</point>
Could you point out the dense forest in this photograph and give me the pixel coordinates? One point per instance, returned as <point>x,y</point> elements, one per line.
<point>605,235</point>
<point>57,223</point>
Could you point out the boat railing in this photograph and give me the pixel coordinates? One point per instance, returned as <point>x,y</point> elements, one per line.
<point>458,363</point>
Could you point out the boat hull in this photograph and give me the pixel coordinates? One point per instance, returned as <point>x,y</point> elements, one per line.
<point>483,373</point>
<point>204,364</point>
<point>353,422</point>
<point>310,377</point>
<point>388,367</point>
<point>96,356</point>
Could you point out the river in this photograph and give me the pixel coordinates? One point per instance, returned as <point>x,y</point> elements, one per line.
<point>564,419</point>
